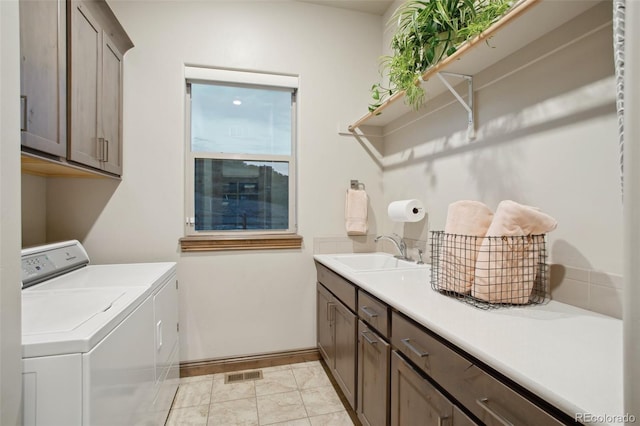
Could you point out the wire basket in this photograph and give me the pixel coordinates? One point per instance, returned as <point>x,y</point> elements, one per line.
<point>490,272</point>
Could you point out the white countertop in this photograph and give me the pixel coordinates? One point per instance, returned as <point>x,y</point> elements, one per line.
<point>568,356</point>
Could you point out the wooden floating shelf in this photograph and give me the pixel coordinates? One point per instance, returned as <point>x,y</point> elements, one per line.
<point>526,21</point>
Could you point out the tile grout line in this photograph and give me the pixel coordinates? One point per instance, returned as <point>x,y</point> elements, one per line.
<point>209,404</point>
<point>301,398</point>
<point>309,368</point>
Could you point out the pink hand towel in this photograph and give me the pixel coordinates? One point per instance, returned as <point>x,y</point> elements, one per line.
<point>356,213</point>
<point>466,221</point>
<point>506,268</point>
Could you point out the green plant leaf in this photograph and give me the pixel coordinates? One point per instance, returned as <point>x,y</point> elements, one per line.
<point>425,32</point>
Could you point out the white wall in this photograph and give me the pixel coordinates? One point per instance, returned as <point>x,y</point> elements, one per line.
<point>34,210</point>
<point>10,303</point>
<point>547,136</point>
<point>234,303</point>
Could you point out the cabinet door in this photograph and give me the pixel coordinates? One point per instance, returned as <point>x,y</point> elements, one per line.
<point>111,106</point>
<point>43,75</point>
<point>86,73</point>
<point>325,324</point>
<point>414,401</point>
<point>345,347</point>
<point>373,378</point>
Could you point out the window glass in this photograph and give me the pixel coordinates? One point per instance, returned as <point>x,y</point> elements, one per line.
<point>241,195</point>
<point>240,169</point>
<point>240,120</point>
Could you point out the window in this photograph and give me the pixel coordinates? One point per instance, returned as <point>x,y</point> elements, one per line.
<point>240,171</point>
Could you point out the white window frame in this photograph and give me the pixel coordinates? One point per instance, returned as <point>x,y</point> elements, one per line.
<point>195,74</point>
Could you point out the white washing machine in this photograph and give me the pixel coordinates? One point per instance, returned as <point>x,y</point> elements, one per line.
<point>99,342</point>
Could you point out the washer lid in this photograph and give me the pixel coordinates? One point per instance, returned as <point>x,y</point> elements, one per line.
<point>67,321</point>
<point>59,311</point>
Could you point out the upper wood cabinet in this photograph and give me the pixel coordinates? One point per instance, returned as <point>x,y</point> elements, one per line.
<point>43,72</point>
<point>97,45</point>
<point>71,87</point>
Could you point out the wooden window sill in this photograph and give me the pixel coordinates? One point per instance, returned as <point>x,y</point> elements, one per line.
<point>199,243</point>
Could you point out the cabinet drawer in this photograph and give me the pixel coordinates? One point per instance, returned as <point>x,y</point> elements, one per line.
<point>495,403</point>
<point>461,419</point>
<point>343,289</point>
<point>374,313</point>
<point>433,357</point>
<point>489,399</point>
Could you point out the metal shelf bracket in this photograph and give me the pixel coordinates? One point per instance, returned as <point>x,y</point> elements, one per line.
<point>467,105</point>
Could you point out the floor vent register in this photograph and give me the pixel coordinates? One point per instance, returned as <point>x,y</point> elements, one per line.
<point>242,376</point>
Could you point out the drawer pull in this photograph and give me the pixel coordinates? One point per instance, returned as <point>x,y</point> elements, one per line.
<point>368,339</point>
<point>482,402</point>
<point>369,312</point>
<point>408,344</point>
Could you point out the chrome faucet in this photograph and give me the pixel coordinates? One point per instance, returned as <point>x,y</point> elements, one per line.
<point>399,243</point>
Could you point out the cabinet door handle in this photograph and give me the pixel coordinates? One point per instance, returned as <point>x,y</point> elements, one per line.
<point>408,344</point>
<point>23,113</point>
<point>369,312</point>
<point>105,157</point>
<point>368,339</point>
<point>482,402</point>
<point>329,309</point>
<point>99,148</point>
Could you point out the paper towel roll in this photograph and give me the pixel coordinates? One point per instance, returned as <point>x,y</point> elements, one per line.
<point>406,211</point>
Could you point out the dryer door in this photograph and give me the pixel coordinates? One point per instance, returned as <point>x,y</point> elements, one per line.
<point>119,372</point>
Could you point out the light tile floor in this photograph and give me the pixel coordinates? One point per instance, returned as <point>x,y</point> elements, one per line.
<point>293,395</point>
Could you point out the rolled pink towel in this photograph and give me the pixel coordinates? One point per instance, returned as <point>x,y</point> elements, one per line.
<point>506,268</point>
<point>467,222</point>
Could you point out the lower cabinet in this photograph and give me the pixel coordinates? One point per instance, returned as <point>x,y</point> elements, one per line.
<point>373,377</point>
<point>394,371</point>
<point>414,401</point>
<point>324,300</point>
<point>337,341</point>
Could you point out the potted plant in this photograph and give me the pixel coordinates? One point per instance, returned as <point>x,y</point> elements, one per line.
<point>426,32</point>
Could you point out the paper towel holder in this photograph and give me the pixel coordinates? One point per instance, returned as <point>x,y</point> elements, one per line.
<point>411,210</point>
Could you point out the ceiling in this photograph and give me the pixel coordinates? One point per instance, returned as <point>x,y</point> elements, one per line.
<point>376,7</point>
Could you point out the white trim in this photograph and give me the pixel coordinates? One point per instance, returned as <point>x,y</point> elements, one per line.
<point>195,75</point>
<point>242,157</point>
<point>241,77</point>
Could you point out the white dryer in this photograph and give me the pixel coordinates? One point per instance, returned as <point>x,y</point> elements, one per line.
<point>99,342</point>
